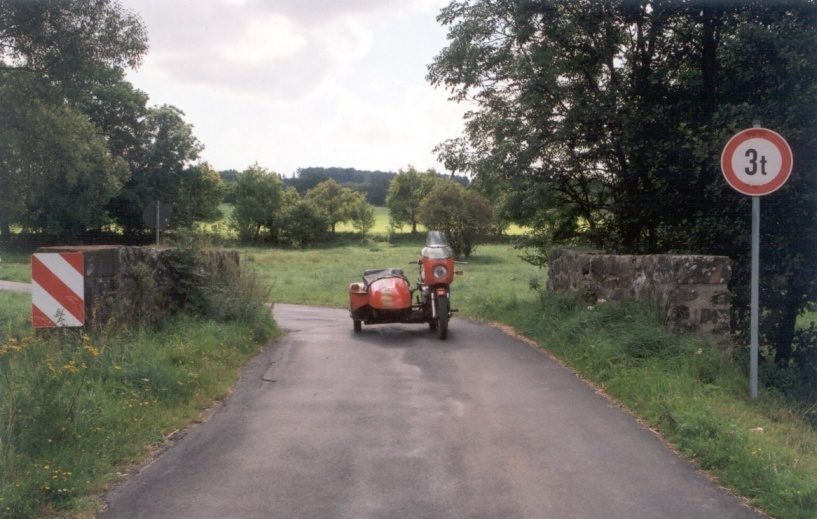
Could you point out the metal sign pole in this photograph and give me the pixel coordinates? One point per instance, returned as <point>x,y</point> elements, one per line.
<point>754,311</point>
<point>756,162</point>
<point>755,300</point>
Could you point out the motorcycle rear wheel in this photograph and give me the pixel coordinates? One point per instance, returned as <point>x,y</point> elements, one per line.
<point>358,326</point>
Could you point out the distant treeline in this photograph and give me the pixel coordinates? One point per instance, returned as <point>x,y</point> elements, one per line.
<point>375,184</point>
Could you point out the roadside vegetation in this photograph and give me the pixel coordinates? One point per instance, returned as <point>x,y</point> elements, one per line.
<point>78,407</point>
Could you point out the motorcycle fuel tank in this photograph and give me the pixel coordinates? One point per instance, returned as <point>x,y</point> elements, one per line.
<point>391,293</point>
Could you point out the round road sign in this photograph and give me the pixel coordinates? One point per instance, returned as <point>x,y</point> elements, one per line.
<point>756,161</point>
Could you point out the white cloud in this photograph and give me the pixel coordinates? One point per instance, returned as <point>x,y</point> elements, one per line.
<point>255,47</point>
<point>265,40</point>
<point>301,83</point>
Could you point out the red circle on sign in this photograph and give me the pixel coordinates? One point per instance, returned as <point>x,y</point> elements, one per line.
<point>773,138</point>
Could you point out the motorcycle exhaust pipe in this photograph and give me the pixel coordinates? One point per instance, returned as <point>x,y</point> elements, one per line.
<point>433,305</point>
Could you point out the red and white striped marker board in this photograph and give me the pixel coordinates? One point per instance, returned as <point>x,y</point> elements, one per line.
<point>57,289</point>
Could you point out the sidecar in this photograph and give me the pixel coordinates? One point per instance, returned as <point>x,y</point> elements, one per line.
<point>384,296</point>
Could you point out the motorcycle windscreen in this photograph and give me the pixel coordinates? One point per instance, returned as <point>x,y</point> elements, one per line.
<point>390,294</point>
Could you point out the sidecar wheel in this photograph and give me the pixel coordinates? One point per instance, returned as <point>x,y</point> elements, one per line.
<point>358,326</point>
<point>442,318</point>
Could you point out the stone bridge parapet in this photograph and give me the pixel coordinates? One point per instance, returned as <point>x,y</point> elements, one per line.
<point>140,285</point>
<point>690,290</point>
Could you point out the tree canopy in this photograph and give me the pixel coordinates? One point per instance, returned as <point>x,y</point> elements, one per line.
<point>605,120</point>
<point>374,184</point>
<point>68,42</point>
<point>65,136</point>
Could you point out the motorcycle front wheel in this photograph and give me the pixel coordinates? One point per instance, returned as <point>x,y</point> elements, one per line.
<point>442,317</point>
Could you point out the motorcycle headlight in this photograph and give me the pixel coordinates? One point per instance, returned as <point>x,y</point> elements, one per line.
<point>440,272</point>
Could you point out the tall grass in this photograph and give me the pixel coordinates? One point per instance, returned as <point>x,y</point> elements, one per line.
<point>76,408</point>
<point>15,313</point>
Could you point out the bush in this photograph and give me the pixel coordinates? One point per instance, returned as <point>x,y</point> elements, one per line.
<point>302,224</point>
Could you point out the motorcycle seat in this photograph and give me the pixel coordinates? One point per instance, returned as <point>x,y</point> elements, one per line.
<point>370,276</point>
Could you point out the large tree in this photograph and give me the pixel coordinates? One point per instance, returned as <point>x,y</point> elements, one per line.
<point>406,193</point>
<point>67,41</point>
<point>168,149</point>
<point>63,91</point>
<point>606,120</point>
<point>201,190</point>
<point>56,170</point>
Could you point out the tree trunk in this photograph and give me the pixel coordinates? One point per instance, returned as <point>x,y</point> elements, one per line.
<point>784,334</point>
<point>709,62</point>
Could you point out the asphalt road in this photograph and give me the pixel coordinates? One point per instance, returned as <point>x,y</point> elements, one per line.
<point>394,423</point>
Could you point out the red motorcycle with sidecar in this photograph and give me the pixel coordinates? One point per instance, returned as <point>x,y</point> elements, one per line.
<point>386,296</point>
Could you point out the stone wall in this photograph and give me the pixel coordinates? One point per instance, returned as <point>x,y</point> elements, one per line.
<point>140,285</point>
<point>690,290</point>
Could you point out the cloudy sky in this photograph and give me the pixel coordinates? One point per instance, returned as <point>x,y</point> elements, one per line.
<point>297,83</point>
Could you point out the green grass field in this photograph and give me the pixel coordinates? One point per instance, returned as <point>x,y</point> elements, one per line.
<point>321,276</point>
<point>381,225</point>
